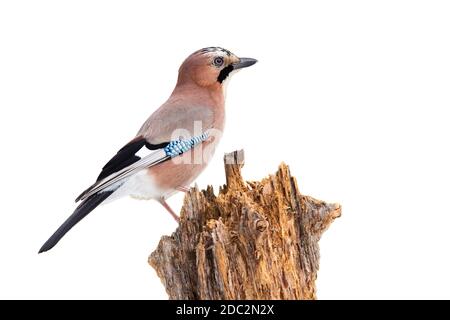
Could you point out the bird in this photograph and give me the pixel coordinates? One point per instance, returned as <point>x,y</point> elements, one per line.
<point>173,146</point>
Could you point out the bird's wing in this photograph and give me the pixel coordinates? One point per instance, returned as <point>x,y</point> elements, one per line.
<point>127,158</point>
<point>127,155</point>
<point>128,161</point>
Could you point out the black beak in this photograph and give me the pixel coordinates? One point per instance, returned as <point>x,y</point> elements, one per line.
<point>244,63</point>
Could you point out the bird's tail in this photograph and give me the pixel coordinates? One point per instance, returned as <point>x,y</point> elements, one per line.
<point>80,212</point>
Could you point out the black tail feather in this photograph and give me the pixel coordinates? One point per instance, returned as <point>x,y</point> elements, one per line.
<point>80,212</point>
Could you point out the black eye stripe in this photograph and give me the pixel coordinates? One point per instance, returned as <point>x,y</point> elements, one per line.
<point>224,73</point>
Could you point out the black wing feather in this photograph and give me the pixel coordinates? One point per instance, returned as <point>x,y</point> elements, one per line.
<point>124,157</point>
<point>127,156</point>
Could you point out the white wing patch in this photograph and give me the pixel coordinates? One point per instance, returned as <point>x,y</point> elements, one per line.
<point>144,152</point>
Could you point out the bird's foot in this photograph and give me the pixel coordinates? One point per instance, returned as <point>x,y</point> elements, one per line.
<point>183,189</point>
<point>169,209</point>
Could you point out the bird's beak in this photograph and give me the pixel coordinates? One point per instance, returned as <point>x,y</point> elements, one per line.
<point>244,63</point>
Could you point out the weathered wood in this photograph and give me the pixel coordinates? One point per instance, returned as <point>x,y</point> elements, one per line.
<point>254,240</point>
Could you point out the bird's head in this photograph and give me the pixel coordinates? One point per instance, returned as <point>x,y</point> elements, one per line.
<point>212,66</point>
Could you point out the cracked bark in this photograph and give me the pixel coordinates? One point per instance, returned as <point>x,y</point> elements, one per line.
<point>254,240</point>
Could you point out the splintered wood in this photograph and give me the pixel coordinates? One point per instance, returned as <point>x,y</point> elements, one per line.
<point>254,240</point>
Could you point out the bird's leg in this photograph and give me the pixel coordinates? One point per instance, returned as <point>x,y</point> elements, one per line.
<point>183,189</point>
<point>172,213</point>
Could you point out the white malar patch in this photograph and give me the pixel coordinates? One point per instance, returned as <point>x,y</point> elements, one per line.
<point>226,81</point>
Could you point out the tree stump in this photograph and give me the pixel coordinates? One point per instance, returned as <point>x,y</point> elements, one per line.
<point>254,240</point>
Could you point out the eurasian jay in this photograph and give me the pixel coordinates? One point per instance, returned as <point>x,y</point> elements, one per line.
<point>173,146</point>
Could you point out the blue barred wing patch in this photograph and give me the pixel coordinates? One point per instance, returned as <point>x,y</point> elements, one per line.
<point>178,147</point>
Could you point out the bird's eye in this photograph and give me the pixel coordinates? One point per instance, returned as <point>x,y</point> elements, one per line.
<point>218,61</point>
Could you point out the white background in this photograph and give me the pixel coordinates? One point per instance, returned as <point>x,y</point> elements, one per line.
<point>353,95</point>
